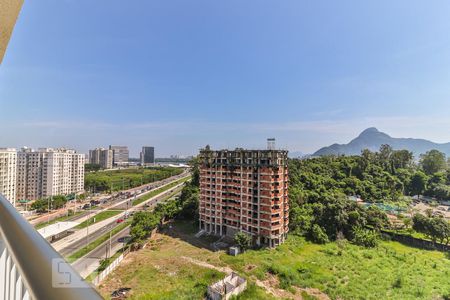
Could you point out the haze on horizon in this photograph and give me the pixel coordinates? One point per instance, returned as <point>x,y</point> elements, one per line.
<point>178,75</point>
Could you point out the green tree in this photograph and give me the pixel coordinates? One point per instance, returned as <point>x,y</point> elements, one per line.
<point>418,183</point>
<point>143,224</point>
<point>318,235</point>
<point>433,161</point>
<point>243,240</point>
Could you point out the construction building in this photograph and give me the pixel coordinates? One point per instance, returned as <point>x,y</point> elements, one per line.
<point>101,156</point>
<point>245,191</point>
<point>49,172</point>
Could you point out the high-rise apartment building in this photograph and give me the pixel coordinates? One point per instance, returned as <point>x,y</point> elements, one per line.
<point>121,155</point>
<point>101,156</point>
<point>49,172</point>
<point>245,191</point>
<point>8,173</point>
<point>147,155</point>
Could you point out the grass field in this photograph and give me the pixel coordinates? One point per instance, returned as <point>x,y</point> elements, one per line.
<point>118,180</point>
<point>341,271</point>
<point>98,218</point>
<point>159,191</point>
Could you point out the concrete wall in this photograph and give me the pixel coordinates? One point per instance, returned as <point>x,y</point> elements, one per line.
<point>9,10</point>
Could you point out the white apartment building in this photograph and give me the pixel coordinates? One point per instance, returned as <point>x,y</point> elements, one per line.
<point>101,156</point>
<point>49,172</point>
<point>8,173</point>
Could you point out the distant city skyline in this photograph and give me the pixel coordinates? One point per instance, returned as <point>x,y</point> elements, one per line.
<point>179,75</point>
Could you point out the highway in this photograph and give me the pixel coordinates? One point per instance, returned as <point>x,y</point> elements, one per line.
<point>90,262</point>
<point>75,243</point>
<point>111,200</point>
<point>81,234</point>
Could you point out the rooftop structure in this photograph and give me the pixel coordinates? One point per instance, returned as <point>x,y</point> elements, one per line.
<point>56,229</point>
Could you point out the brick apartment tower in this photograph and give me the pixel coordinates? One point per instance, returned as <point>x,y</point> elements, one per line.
<point>245,190</point>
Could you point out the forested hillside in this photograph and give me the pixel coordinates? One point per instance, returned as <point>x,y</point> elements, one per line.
<point>319,190</point>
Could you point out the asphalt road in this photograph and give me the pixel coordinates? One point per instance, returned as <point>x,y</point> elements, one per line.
<point>114,199</point>
<point>78,244</point>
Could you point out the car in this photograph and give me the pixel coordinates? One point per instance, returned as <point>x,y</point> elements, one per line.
<point>87,206</point>
<point>119,220</point>
<point>124,239</point>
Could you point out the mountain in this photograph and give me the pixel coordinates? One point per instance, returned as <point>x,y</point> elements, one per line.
<point>296,154</point>
<point>372,139</point>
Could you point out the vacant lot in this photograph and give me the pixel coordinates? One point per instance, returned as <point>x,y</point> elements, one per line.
<point>118,180</point>
<point>172,268</point>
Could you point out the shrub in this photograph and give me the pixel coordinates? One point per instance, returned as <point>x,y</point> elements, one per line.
<point>364,237</point>
<point>243,240</point>
<point>318,235</point>
<point>398,283</point>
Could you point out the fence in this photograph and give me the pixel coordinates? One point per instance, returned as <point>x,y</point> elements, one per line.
<point>415,242</point>
<point>100,277</point>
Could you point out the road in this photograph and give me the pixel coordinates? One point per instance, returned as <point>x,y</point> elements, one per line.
<point>78,239</point>
<point>90,262</point>
<point>113,199</point>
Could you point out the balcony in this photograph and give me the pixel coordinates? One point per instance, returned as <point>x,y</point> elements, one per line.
<point>31,268</point>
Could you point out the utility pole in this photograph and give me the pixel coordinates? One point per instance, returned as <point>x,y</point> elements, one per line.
<point>87,228</point>
<point>110,233</point>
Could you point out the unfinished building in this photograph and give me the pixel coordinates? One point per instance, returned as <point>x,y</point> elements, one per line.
<point>245,191</point>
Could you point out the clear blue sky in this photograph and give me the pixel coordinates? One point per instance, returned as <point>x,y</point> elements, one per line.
<point>179,74</point>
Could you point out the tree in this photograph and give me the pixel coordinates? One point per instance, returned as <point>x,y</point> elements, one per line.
<point>243,240</point>
<point>418,183</point>
<point>143,224</point>
<point>402,159</point>
<point>92,167</point>
<point>433,161</point>
<point>318,235</point>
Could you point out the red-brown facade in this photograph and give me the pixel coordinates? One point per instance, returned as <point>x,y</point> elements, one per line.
<point>245,190</point>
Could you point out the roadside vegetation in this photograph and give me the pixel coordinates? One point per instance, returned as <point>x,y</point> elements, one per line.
<point>118,180</point>
<point>158,191</point>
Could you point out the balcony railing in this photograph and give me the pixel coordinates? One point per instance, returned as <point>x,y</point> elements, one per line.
<point>30,268</point>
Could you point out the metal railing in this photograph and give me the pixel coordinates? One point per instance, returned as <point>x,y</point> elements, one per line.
<point>30,268</point>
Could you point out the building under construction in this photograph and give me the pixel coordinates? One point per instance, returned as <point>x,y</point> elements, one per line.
<point>247,191</point>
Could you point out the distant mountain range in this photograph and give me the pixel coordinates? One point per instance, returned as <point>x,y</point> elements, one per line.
<point>372,139</point>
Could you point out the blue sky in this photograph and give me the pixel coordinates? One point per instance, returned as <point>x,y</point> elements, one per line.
<point>179,74</point>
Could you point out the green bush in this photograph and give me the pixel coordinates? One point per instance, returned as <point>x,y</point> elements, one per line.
<point>318,235</point>
<point>364,237</point>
